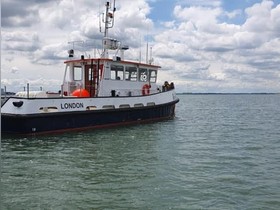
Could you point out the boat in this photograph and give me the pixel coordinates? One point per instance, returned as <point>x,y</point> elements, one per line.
<point>96,92</point>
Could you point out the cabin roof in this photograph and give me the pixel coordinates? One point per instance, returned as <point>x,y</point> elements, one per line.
<point>111,60</point>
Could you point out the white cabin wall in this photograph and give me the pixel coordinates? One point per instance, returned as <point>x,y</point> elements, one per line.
<point>125,88</point>
<point>107,71</point>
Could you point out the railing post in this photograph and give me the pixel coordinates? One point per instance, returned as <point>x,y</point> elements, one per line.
<point>61,91</point>
<point>5,89</point>
<point>27,90</point>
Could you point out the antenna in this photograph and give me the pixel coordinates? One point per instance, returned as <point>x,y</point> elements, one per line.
<point>151,56</point>
<point>140,49</point>
<point>108,17</point>
<point>147,52</point>
<point>100,29</point>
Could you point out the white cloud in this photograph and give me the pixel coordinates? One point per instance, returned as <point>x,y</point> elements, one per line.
<point>259,17</point>
<point>238,54</point>
<point>198,48</point>
<point>20,41</point>
<point>14,70</point>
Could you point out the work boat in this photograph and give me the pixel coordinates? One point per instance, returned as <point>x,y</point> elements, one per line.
<point>96,93</point>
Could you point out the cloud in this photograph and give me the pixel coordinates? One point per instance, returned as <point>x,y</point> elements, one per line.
<point>200,45</point>
<point>131,23</point>
<point>16,13</point>
<point>258,19</point>
<point>228,50</point>
<point>20,41</point>
<point>51,54</point>
<point>14,70</point>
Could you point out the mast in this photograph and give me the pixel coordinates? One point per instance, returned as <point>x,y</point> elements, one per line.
<point>108,21</point>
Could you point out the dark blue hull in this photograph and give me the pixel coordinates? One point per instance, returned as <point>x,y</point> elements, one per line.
<point>83,120</point>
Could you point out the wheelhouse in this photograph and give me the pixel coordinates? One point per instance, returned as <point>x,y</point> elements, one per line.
<point>106,77</point>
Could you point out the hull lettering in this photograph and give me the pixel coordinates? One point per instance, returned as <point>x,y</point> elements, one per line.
<point>72,105</point>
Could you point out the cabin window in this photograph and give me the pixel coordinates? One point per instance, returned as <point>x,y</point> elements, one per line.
<point>131,73</point>
<point>117,72</point>
<point>153,75</point>
<point>77,73</point>
<point>67,74</point>
<point>143,76</point>
<point>90,74</point>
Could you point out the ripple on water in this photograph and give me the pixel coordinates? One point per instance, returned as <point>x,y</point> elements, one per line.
<point>220,152</point>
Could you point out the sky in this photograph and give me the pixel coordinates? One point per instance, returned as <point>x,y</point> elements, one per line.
<point>217,46</point>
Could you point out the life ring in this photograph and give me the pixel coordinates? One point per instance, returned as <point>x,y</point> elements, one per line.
<point>146,89</point>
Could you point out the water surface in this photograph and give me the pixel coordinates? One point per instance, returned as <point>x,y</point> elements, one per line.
<point>220,152</point>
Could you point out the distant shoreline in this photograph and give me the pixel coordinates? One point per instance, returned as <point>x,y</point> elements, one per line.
<point>227,93</point>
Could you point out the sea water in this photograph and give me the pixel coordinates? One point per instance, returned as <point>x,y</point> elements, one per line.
<point>220,152</point>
